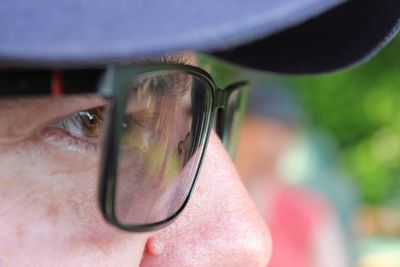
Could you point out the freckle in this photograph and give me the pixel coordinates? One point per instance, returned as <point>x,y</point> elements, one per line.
<point>155,246</point>
<point>74,206</point>
<point>199,190</point>
<point>20,232</point>
<point>52,212</point>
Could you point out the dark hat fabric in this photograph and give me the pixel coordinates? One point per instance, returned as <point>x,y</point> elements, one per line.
<point>348,34</point>
<point>97,32</point>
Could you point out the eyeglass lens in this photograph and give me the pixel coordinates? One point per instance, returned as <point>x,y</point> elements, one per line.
<point>161,148</point>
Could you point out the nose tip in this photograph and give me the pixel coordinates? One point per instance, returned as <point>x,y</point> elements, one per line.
<point>251,244</point>
<point>243,240</point>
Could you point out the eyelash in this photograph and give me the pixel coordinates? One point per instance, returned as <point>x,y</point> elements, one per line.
<point>84,130</point>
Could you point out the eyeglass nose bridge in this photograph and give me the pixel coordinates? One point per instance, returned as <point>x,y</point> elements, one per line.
<point>221,98</point>
<point>222,95</point>
<point>221,105</point>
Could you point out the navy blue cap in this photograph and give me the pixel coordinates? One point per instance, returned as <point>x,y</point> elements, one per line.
<point>343,36</point>
<point>98,32</point>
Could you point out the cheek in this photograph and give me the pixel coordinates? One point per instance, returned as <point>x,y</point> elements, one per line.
<point>44,205</point>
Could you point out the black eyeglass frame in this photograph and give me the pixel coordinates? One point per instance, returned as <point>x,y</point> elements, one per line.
<point>112,83</point>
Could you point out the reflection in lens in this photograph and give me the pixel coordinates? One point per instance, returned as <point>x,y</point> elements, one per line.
<point>161,146</point>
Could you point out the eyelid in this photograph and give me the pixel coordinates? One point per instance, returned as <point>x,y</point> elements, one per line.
<point>88,124</point>
<point>67,133</point>
<point>23,117</point>
<point>79,106</point>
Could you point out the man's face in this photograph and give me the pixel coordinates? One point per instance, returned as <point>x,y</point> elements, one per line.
<point>49,214</point>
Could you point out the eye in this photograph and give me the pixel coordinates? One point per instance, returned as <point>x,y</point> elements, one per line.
<point>92,122</point>
<point>83,124</point>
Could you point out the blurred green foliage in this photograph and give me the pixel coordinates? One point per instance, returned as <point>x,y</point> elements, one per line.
<point>361,108</point>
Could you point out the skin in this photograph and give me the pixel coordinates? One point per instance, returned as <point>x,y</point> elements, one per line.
<point>220,227</point>
<point>49,214</point>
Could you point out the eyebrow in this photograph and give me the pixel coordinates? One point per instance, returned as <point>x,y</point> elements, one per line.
<point>179,58</point>
<point>187,57</point>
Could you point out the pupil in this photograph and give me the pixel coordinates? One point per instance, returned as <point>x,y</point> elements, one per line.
<point>92,122</point>
<point>88,117</point>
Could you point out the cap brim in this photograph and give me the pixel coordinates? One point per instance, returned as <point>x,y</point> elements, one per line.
<point>348,34</point>
<point>81,32</point>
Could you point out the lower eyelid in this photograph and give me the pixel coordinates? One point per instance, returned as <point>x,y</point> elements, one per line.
<point>64,141</point>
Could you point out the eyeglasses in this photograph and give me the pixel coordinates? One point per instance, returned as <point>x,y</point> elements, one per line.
<point>155,124</point>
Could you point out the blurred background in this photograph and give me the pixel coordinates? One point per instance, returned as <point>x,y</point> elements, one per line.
<point>320,155</point>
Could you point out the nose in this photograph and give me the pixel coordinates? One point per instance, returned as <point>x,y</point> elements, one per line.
<point>220,226</point>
